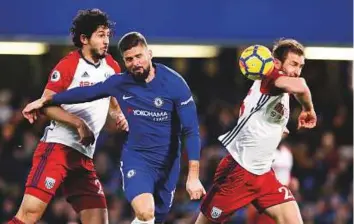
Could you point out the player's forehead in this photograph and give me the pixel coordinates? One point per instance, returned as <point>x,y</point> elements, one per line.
<point>134,51</point>
<point>295,58</point>
<point>102,29</point>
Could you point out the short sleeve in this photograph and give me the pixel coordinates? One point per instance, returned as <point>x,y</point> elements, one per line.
<point>63,73</point>
<point>268,83</point>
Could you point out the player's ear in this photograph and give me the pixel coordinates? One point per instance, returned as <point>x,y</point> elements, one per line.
<point>84,40</point>
<point>277,63</point>
<point>150,53</point>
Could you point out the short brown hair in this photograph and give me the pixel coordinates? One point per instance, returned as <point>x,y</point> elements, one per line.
<point>283,46</point>
<point>131,40</point>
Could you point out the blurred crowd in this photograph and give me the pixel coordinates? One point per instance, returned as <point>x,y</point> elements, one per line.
<point>323,157</point>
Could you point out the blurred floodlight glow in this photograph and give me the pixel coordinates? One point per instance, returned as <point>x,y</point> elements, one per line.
<point>329,53</point>
<point>23,48</point>
<point>184,51</point>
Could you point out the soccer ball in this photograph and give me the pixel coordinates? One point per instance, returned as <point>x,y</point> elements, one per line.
<point>256,62</point>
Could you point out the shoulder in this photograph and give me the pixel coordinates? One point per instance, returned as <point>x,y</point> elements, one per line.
<point>112,63</point>
<point>62,74</point>
<point>66,67</point>
<point>70,61</point>
<point>268,83</point>
<point>171,75</point>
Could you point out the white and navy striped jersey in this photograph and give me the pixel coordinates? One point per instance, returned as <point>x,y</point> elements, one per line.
<point>75,71</point>
<point>263,117</point>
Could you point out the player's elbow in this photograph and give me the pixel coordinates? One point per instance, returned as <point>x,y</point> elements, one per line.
<point>300,86</point>
<point>293,85</point>
<point>190,132</point>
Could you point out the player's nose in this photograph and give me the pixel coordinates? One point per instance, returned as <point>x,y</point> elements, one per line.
<point>106,41</point>
<point>136,62</point>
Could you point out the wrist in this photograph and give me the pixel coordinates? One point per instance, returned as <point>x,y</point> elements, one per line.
<point>78,123</point>
<point>193,170</point>
<point>47,99</point>
<point>116,114</point>
<point>308,107</point>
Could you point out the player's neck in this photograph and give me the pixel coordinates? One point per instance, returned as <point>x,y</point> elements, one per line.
<point>88,56</point>
<point>151,75</point>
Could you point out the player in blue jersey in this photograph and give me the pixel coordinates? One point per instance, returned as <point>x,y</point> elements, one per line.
<point>160,110</point>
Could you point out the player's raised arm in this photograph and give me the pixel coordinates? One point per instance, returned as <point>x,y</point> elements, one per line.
<point>187,112</point>
<point>298,87</point>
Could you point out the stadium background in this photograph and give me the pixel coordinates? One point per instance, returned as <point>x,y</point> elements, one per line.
<point>323,157</point>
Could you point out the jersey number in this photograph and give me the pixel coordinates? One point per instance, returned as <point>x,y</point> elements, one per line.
<point>287,193</point>
<point>98,184</point>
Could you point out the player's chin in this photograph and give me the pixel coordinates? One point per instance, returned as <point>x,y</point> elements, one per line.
<point>103,53</point>
<point>137,73</point>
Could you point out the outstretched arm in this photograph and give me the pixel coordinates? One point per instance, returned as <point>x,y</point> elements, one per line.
<point>59,114</point>
<point>72,96</point>
<point>81,94</point>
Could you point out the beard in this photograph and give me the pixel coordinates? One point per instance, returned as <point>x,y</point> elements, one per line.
<point>140,76</point>
<point>96,54</point>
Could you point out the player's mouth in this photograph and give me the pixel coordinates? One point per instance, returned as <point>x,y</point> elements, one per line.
<point>138,69</point>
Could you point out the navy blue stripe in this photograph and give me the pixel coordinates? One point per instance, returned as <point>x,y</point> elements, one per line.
<point>216,186</point>
<point>41,166</point>
<point>235,129</point>
<point>230,134</point>
<point>261,102</point>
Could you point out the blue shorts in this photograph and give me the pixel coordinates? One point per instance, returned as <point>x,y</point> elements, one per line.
<point>139,177</point>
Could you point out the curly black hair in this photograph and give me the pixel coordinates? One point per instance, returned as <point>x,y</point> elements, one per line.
<point>87,22</point>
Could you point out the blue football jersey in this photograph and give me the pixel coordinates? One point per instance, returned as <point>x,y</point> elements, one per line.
<point>159,112</point>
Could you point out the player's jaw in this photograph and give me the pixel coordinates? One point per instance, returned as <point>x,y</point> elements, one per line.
<point>139,72</point>
<point>99,53</point>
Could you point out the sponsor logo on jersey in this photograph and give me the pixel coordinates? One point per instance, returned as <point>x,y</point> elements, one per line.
<point>279,112</point>
<point>86,83</point>
<point>156,116</point>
